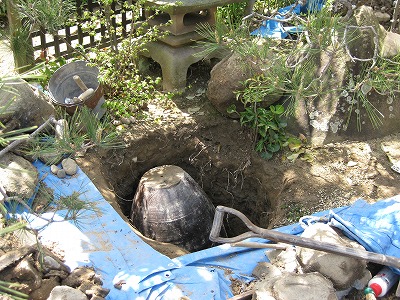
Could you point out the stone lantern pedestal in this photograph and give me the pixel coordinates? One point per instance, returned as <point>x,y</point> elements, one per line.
<point>179,50</point>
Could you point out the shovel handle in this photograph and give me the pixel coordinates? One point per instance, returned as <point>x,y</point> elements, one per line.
<point>295,240</point>
<point>80,83</point>
<point>217,225</point>
<point>218,222</point>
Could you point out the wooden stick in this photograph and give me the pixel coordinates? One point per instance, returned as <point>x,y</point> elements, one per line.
<point>80,83</point>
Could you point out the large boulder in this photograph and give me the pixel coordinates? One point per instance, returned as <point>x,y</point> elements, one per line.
<point>29,106</point>
<point>17,176</point>
<point>388,42</point>
<point>349,107</point>
<point>227,77</point>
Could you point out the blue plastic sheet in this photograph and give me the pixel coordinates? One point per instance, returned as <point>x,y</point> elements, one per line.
<point>375,226</point>
<point>104,241</point>
<point>275,29</point>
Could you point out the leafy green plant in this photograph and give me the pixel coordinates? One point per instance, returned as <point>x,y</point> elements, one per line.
<point>21,46</point>
<point>43,71</point>
<point>269,125</point>
<point>127,88</point>
<point>270,128</point>
<point>47,16</point>
<point>46,69</point>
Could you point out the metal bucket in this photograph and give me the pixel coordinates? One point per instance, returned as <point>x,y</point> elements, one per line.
<point>63,86</point>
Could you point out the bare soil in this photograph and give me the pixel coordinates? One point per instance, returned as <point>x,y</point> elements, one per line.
<point>219,154</point>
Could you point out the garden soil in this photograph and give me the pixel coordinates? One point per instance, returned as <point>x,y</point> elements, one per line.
<point>219,154</point>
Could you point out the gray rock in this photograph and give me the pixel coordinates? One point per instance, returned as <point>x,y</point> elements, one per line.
<point>54,169</point>
<point>30,107</point>
<point>265,269</point>
<point>382,17</point>
<point>341,270</point>
<point>226,77</point>
<point>311,286</point>
<point>362,282</point>
<point>51,264</point>
<point>61,275</point>
<point>126,121</point>
<point>268,274</point>
<point>14,256</point>
<point>390,45</point>
<point>79,276</point>
<point>28,276</point>
<point>92,289</point>
<point>326,119</point>
<point>61,173</point>
<point>18,176</point>
<point>50,158</point>
<point>66,293</point>
<point>70,166</point>
<point>263,289</point>
<point>132,119</point>
<point>262,295</point>
<point>95,297</point>
<point>285,260</point>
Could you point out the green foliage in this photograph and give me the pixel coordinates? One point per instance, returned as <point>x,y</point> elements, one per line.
<point>12,227</point>
<point>263,5</point>
<point>20,44</point>
<point>3,8</point>
<point>269,126</point>
<point>49,68</point>
<point>42,72</point>
<point>127,89</point>
<point>50,15</point>
<point>232,14</point>
<point>301,69</point>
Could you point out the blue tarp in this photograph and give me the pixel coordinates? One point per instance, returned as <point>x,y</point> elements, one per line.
<point>375,226</point>
<point>277,30</point>
<point>106,242</point>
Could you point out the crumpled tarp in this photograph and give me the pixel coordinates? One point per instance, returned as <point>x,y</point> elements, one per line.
<point>104,241</point>
<point>375,226</point>
<point>277,30</point>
